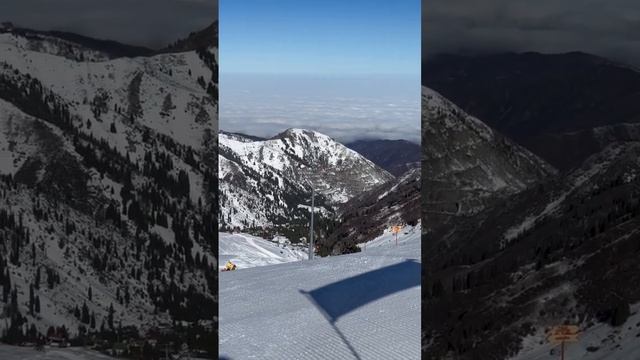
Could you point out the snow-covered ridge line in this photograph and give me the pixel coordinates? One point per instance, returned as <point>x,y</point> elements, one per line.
<point>434,102</point>
<point>445,120</point>
<point>138,86</point>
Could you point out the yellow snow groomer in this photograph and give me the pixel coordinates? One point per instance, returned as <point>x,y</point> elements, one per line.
<point>229,266</point>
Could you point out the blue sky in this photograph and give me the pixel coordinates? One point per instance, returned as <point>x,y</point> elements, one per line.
<point>320,36</point>
<point>350,69</point>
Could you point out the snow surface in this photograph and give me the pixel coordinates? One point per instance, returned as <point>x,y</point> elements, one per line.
<point>16,133</point>
<point>357,306</point>
<point>604,341</point>
<point>248,251</point>
<point>388,239</point>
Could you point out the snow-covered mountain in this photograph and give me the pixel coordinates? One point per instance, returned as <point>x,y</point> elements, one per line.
<point>166,93</point>
<point>107,166</point>
<point>563,251</point>
<point>535,250</point>
<point>467,164</point>
<point>267,182</point>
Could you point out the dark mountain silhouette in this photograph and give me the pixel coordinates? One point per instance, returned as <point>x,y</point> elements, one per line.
<point>538,98</point>
<point>395,156</point>
<point>112,48</point>
<point>202,39</point>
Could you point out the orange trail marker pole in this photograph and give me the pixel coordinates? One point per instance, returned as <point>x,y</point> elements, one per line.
<point>562,334</point>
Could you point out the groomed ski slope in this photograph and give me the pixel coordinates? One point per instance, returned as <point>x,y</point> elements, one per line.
<point>598,342</point>
<point>357,306</point>
<point>248,251</point>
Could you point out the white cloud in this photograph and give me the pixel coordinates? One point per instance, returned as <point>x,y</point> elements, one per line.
<point>345,110</point>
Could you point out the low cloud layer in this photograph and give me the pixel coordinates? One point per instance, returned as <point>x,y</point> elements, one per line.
<point>346,110</point>
<point>150,23</point>
<point>606,28</point>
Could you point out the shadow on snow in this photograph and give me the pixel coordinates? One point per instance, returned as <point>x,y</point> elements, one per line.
<point>339,298</point>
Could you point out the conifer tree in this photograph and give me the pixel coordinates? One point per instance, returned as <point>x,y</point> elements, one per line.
<point>110,316</point>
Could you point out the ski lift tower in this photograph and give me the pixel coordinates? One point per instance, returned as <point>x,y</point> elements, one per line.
<point>313,183</point>
<point>313,193</point>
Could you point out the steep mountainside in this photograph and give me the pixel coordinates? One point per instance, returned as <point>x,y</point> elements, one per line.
<point>395,156</point>
<point>105,191</point>
<point>466,164</point>
<point>529,95</point>
<point>203,39</point>
<point>563,251</point>
<point>368,215</point>
<point>267,183</point>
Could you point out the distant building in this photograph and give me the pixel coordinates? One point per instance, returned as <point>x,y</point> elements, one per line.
<point>281,240</point>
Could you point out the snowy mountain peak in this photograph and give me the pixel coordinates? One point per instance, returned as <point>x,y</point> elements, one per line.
<point>304,137</point>
<point>283,169</point>
<point>298,132</point>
